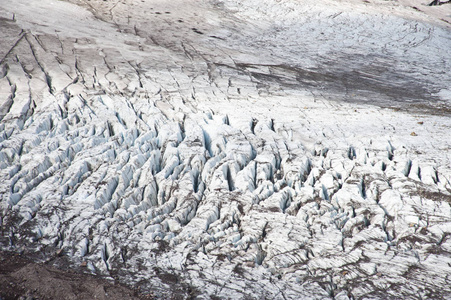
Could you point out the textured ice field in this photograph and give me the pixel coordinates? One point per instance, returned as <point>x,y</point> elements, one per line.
<point>273,149</point>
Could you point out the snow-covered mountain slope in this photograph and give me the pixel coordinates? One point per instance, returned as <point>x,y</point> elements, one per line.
<point>230,149</point>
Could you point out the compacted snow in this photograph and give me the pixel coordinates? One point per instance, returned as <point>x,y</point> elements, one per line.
<point>273,149</point>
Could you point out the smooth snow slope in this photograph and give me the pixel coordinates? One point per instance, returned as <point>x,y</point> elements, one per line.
<point>231,149</point>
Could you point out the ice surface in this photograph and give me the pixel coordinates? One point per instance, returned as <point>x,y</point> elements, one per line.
<point>231,149</point>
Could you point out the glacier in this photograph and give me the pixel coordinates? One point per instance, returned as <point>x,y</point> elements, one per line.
<point>237,149</point>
